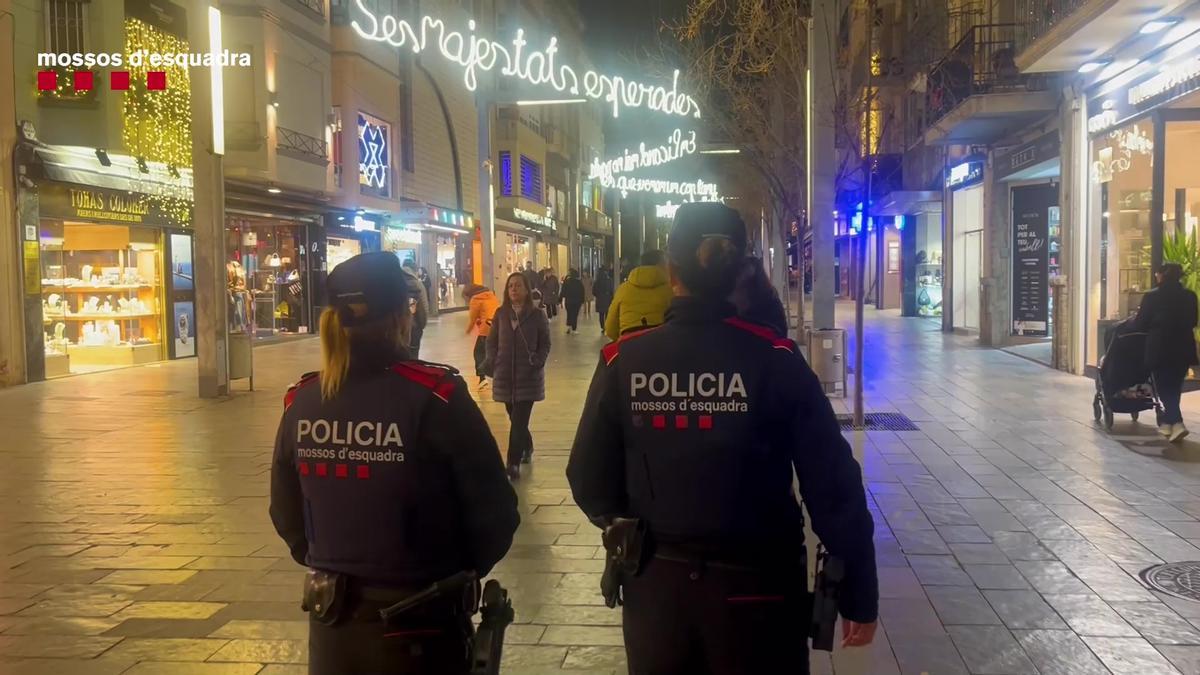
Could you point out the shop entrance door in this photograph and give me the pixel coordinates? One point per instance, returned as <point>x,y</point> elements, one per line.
<point>968,256</point>
<point>972,266</point>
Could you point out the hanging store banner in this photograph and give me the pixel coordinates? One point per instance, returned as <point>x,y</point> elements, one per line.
<point>1031,259</point>
<point>75,202</point>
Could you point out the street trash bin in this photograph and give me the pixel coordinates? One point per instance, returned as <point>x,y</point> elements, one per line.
<point>827,355</point>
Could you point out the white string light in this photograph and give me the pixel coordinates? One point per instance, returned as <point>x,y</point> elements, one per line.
<point>479,54</point>
<point>676,147</point>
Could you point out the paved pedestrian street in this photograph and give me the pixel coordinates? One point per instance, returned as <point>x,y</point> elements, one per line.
<point>134,535</point>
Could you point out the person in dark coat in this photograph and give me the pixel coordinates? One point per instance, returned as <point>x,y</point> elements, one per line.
<point>385,474</point>
<point>532,278</point>
<point>602,289</point>
<point>517,349</point>
<point>551,290</point>
<point>572,298</point>
<point>698,428</point>
<point>1169,315</point>
<point>756,299</point>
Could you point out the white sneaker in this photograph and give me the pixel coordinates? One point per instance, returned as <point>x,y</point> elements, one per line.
<point>1164,429</point>
<point>1178,433</point>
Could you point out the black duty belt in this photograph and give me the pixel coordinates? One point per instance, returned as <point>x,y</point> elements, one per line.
<point>692,557</point>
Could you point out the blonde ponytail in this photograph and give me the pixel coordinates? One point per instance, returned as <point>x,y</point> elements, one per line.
<point>335,353</point>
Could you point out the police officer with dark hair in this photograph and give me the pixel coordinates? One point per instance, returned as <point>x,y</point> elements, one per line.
<point>385,480</point>
<point>694,429</point>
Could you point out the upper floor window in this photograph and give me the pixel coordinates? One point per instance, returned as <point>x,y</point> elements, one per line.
<point>506,173</point>
<point>531,180</point>
<point>66,26</point>
<point>374,156</point>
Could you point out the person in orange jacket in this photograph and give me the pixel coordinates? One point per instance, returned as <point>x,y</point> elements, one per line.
<point>482,305</point>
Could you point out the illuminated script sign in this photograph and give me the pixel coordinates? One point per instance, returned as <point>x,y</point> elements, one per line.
<point>696,191</point>
<point>677,146</point>
<point>478,54</point>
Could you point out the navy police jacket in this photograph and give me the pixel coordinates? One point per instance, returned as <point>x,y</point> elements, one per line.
<point>397,481</point>
<point>696,426</point>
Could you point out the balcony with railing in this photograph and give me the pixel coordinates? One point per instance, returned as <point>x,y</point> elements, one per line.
<point>1062,35</point>
<point>976,93</point>
<point>300,146</point>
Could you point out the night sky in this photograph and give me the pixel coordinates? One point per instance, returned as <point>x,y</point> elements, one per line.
<point>618,32</point>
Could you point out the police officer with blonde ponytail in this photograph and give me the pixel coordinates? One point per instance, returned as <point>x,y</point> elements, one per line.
<point>385,480</point>
<point>685,455</point>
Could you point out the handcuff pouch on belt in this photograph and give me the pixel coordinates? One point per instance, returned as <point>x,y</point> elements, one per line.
<point>324,596</point>
<point>625,545</point>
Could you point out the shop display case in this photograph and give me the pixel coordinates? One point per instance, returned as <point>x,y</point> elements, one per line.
<point>102,296</point>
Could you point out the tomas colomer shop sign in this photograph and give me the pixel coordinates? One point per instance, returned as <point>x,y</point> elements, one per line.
<point>518,60</point>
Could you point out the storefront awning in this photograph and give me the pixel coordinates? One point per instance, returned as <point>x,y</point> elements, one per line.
<point>909,203</point>
<point>83,166</point>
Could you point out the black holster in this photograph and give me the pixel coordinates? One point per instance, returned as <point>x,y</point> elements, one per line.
<point>826,586</point>
<point>324,596</point>
<point>496,615</point>
<point>626,544</point>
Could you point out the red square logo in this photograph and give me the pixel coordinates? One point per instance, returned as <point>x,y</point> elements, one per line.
<point>362,471</point>
<point>83,80</point>
<point>342,471</point>
<point>706,421</point>
<point>156,80</point>
<point>322,469</point>
<point>681,421</point>
<point>47,80</point>
<point>303,468</point>
<point>660,422</point>
<point>118,80</point>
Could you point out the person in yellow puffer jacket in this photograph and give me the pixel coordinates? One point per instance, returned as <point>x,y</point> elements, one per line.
<point>482,306</point>
<point>641,302</point>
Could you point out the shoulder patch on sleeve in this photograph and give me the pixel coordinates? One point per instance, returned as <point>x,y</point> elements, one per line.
<point>612,349</point>
<point>763,332</point>
<point>305,380</point>
<point>437,378</point>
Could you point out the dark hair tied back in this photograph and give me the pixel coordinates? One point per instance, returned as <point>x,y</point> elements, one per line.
<point>713,272</point>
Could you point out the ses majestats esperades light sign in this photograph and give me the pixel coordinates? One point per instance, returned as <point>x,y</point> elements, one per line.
<point>478,54</point>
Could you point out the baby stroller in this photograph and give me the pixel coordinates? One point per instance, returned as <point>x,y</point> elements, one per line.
<point>1124,384</point>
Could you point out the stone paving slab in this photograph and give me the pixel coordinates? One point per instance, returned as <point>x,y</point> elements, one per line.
<point>1010,530</point>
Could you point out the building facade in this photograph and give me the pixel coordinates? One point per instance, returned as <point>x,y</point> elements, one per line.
<point>333,145</point>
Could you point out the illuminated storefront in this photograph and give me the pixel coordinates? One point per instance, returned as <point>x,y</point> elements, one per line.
<point>441,242</point>
<point>1143,182</point>
<point>107,262</point>
<point>523,237</point>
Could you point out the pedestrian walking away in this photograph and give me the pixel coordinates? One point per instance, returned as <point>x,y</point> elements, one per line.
<point>572,297</point>
<point>685,456</point>
<point>481,309</point>
<point>386,479</point>
<point>641,302</point>
<point>518,347</point>
<point>603,290</point>
<point>551,291</point>
<point>419,306</point>
<point>1168,314</point>
<point>588,293</point>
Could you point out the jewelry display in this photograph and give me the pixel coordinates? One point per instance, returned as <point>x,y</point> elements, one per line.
<point>102,297</point>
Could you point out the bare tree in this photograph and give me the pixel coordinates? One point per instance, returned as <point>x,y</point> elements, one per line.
<point>748,63</point>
